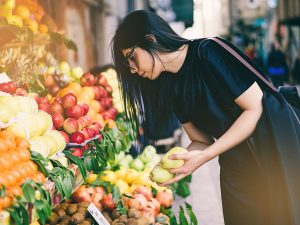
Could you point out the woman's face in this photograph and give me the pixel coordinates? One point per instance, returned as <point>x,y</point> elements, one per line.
<point>141,63</point>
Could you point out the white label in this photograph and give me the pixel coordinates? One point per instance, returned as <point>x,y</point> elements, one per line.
<point>97,215</point>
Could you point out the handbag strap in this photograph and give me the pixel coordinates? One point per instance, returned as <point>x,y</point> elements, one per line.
<point>240,58</point>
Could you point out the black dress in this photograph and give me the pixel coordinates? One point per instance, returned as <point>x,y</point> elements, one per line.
<point>260,178</point>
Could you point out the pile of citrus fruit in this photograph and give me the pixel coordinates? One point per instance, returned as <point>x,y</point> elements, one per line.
<point>15,166</point>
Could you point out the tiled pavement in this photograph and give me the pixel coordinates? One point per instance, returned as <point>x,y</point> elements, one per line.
<point>205,195</point>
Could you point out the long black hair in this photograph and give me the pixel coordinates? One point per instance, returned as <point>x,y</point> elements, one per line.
<point>148,103</point>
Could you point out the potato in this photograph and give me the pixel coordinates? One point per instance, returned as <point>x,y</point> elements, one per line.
<point>115,214</point>
<point>77,218</point>
<point>134,213</point>
<point>53,219</point>
<point>131,221</point>
<point>61,213</point>
<point>83,204</point>
<point>71,209</point>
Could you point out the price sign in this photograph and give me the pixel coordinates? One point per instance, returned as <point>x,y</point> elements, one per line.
<point>97,215</point>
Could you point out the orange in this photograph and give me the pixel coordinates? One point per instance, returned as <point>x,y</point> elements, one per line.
<point>31,24</point>
<point>22,12</point>
<point>75,86</point>
<point>3,147</point>
<point>43,28</point>
<point>64,91</point>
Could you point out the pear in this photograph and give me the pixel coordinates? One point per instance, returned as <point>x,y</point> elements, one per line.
<point>170,163</point>
<point>160,175</point>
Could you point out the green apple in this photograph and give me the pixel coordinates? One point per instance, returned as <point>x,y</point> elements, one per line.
<point>76,72</point>
<point>169,163</point>
<point>64,67</point>
<point>120,156</point>
<point>137,164</point>
<point>160,175</point>
<point>150,148</point>
<point>128,158</point>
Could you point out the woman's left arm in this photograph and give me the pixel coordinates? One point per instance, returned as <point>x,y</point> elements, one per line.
<point>251,104</point>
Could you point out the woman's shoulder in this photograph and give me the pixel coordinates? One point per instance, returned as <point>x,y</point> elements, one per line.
<point>205,45</point>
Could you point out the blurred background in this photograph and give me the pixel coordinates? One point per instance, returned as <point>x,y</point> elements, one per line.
<point>253,25</point>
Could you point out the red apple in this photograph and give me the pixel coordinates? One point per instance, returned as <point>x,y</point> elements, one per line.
<point>107,115</point>
<point>84,148</point>
<point>8,87</point>
<point>77,137</point>
<point>74,112</point>
<point>108,203</point>
<point>58,120</point>
<point>92,132</point>
<point>56,107</point>
<point>21,92</point>
<point>69,100</point>
<point>86,133</point>
<point>54,89</point>
<point>58,99</point>
<point>96,126</point>
<point>87,79</point>
<point>35,96</point>
<point>81,123</point>
<point>65,135</point>
<point>45,107</point>
<point>97,92</point>
<point>48,80</point>
<point>71,125</point>
<point>43,100</point>
<point>88,120</point>
<point>109,89</point>
<point>76,152</point>
<point>102,80</point>
<point>103,92</point>
<point>85,108</point>
<point>144,191</point>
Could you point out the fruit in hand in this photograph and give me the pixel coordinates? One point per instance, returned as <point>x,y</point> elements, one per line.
<point>170,163</point>
<point>160,175</point>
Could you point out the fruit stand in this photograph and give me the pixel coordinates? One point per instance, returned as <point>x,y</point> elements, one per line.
<point>64,141</point>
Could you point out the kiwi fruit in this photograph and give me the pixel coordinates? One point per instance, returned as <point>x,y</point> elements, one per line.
<point>64,206</point>
<point>77,218</point>
<point>53,219</point>
<point>61,213</point>
<point>123,219</point>
<point>134,213</point>
<point>71,209</point>
<point>83,204</point>
<point>131,221</point>
<point>83,211</point>
<point>66,220</point>
<point>115,214</point>
<point>142,221</point>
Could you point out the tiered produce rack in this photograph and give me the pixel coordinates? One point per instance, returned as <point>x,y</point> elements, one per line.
<point>64,141</point>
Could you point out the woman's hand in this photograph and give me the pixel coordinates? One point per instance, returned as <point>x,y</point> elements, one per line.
<point>192,161</point>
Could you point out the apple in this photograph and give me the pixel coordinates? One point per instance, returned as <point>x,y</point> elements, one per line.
<point>88,120</point>
<point>8,87</point>
<point>65,135</point>
<point>102,80</point>
<point>43,100</point>
<point>82,195</point>
<point>109,89</point>
<point>81,123</point>
<point>137,164</point>
<point>48,80</point>
<point>97,92</point>
<point>108,203</point>
<point>95,128</point>
<point>147,154</point>
<point>70,125</point>
<point>160,175</point>
<point>58,120</point>
<point>165,198</point>
<point>57,99</point>
<point>87,79</point>
<point>74,112</point>
<point>69,100</point>
<point>86,133</point>
<point>21,92</point>
<point>64,67</point>
<point>56,107</point>
<point>85,108</point>
<point>76,72</point>
<point>45,107</point>
<point>54,89</point>
<point>77,137</point>
<point>138,202</point>
<point>144,191</point>
<point>76,152</point>
<point>84,148</point>
<point>169,163</point>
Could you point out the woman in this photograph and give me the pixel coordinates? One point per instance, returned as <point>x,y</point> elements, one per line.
<point>224,108</point>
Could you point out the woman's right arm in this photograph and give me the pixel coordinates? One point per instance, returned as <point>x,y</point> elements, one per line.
<point>199,139</point>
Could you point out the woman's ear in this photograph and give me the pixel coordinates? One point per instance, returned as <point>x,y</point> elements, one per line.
<point>150,37</point>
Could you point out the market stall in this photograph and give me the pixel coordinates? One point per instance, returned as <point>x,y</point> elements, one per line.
<point>64,141</point>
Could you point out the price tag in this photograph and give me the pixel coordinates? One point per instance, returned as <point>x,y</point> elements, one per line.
<point>97,215</point>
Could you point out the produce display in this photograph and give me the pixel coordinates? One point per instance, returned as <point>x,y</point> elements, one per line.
<point>64,141</point>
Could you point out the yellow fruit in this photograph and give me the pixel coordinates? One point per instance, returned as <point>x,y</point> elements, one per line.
<point>131,176</point>
<point>5,11</point>
<point>120,174</point>
<point>91,178</point>
<point>31,24</point>
<point>18,130</point>
<point>95,105</point>
<point>43,28</point>
<point>169,163</point>
<point>109,176</point>
<point>23,12</point>
<point>89,92</point>
<point>123,186</point>
<point>160,175</point>
<point>15,20</point>
<point>132,188</point>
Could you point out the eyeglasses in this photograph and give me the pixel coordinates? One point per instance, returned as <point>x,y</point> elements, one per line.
<point>130,59</point>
